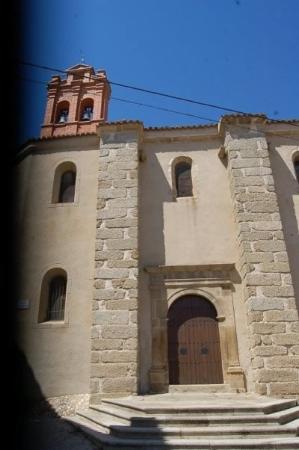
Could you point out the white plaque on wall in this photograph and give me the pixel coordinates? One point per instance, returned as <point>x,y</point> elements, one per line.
<point>23,304</point>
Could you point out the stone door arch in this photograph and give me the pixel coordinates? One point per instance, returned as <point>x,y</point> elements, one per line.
<point>215,283</point>
<point>194,355</point>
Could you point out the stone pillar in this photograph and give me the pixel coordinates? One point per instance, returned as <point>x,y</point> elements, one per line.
<point>263,263</point>
<point>49,113</point>
<point>73,101</point>
<point>114,357</point>
<point>158,375</point>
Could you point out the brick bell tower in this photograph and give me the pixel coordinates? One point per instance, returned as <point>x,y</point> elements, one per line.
<point>76,104</point>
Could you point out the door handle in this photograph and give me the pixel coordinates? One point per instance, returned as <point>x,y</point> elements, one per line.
<point>204,350</point>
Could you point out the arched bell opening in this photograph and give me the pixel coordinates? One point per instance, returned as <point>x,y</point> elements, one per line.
<point>62,112</point>
<point>86,110</point>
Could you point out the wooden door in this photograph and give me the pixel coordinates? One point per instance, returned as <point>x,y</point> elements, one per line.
<point>193,342</point>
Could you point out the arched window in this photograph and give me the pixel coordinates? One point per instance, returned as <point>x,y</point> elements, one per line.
<point>56,298</point>
<point>183,179</point>
<point>53,295</point>
<point>64,183</point>
<point>67,187</point>
<point>62,112</point>
<point>296,166</point>
<point>86,110</point>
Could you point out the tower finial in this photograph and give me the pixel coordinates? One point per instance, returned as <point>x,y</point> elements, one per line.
<point>82,57</point>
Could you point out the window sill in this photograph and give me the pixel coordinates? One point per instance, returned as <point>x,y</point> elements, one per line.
<point>191,197</point>
<point>61,124</point>
<point>63,205</point>
<point>52,324</point>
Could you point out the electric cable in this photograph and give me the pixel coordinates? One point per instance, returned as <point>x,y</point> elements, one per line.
<point>152,92</point>
<point>170,110</point>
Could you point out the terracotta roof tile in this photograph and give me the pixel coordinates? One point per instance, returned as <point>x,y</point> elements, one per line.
<point>161,128</point>
<point>283,121</point>
<point>121,122</point>
<point>48,138</point>
<point>181,127</point>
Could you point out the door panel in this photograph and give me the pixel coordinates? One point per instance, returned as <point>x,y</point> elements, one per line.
<point>193,342</point>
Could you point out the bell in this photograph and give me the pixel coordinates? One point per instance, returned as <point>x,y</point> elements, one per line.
<point>63,114</point>
<point>86,115</point>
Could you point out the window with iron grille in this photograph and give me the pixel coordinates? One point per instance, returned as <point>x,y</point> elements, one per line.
<point>56,298</point>
<point>183,179</point>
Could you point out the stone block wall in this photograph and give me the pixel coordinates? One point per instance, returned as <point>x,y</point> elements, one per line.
<point>114,356</point>
<point>263,263</point>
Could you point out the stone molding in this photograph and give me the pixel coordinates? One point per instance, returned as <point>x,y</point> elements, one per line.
<point>216,284</point>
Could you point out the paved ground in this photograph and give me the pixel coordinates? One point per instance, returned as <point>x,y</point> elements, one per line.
<point>52,434</point>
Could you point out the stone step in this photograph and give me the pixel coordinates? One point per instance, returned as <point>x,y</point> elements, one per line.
<point>154,428</point>
<point>108,442</point>
<point>125,417</point>
<point>104,422</point>
<point>193,408</point>
<point>213,432</point>
<point>192,421</point>
<point>201,388</point>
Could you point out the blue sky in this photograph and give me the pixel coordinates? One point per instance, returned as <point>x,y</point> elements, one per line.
<point>241,54</point>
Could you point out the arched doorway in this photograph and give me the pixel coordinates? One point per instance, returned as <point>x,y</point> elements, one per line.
<point>194,355</point>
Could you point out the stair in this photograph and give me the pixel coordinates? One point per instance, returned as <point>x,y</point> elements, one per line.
<point>192,421</point>
<point>201,388</point>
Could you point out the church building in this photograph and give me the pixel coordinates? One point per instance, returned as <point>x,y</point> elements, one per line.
<point>156,259</point>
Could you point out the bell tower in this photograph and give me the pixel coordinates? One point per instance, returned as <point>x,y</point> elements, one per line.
<point>77,103</point>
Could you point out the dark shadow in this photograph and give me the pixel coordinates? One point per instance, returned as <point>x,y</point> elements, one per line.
<point>37,426</point>
<point>154,191</point>
<point>153,431</point>
<point>287,187</point>
<point>30,404</point>
<point>130,436</point>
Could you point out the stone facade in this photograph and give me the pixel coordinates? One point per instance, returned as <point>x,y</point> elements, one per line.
<point>114,357</point>
<point>132,248</point>
<point>263,260</point>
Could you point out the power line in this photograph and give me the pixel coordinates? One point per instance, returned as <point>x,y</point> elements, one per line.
<point>148,91</point>
<point>174,97</point>
<point>169,110</point>
<point>124,100</point>
<point>164,109</point>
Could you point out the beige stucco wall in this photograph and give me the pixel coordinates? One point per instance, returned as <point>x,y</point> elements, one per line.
<point>57,235</point>
<point>187,231</point>
<point>172,232</point>
<point>282,151</point>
